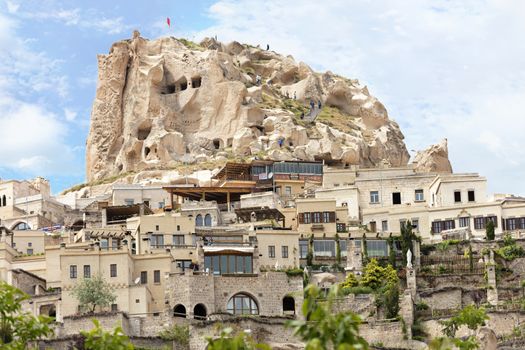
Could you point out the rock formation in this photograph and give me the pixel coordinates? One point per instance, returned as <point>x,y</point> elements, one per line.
<point>162,101</point>
<point>434,159</point>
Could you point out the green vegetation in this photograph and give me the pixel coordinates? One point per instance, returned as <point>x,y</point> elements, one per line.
<point>337,250</point>
<point>489,231</point>
<point>324,329</point>
<point>99,339</point>
<point>443,246</point>
<point>420,306</point>
<point>470,316</point>
<point>334,117</point>
<point>407,237</point>
<point>510,250</point>
<point>294,272</point>
<point>18,329</point>
<point>93,292</point>
<point>349,282</point>
<point>310,254</point>
<point>191,45</point>
<point>180,334</point>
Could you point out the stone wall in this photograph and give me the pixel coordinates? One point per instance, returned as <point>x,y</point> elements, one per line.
<point>268,289</point>
<point>500,322</point>
<point>74,324</point>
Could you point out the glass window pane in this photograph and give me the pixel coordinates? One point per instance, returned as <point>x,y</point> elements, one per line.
<point>248,264</point>
<point>215,264</point>
<point>207,263</point>
<point>231,264</point>
<point>224,264</point>
<point>240,264</point>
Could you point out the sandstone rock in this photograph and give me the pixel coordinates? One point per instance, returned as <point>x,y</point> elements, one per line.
<point>159,101</point>
<point>434,159</point>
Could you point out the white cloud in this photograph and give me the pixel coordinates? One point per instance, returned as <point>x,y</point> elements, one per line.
<point>442,68</point>
<point>70,114</point>
<point>33,139</point>
<point>12,7</point>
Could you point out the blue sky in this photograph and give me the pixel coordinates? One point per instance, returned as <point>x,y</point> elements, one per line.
<point>442,68</point>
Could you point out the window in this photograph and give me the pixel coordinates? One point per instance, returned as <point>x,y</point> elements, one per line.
<point>184,264</point>
<point>343,244</point>
<point>242,304</point>
<point>113,270</point>
<point>144,277</point>
<point>156,276</point>
<point>374,196</point>
<point>198,220</point>
<point>284,251</point>
<point>326,216</point>
<point>303,249</point>
<point>29,251</point>
<point>114,307</point>
<point>115,243</point>
<point>419,196</point>
<point>87,271</point>
<point>29,244</point>
<point>377,248</point>
<point>178,227</point>
<point>207,220</point>
<point>157,228</point>
<point>288,190</point>
<point>471,196</point>
<point>228,264</point>
<point>457,197</point>
<point>73,271</point>
<point>307,218</point>
<point>464,222</point>
<point>415,223</point>
<point>157,241</point>
<point>438,226</point>
<point>271,251</point>
<point>324,248</point>
<point>481,222</point>
<point>396,198</point>
<point>384,225</point>
<point>104,243</point>
<point>129,201</point>
<point>340,227</point>
<point>316,217</point>
<point>178,239</point>
<point>161,205</point>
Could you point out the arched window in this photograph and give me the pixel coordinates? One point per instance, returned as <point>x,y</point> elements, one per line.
<point>242,304</point>
<point>21,226</point>
<point>198,220</point>
<point>288,305</point>
<point>179,311</point>
<point>4,201</point>
<point>199,312</point>
<point>207,220</point>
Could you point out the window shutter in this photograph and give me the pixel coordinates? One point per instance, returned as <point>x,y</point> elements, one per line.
<point>301,218</point>
<point>332,216</point>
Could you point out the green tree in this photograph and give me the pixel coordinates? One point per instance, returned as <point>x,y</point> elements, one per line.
<point>391,251</point>
<point>407,236</point>
<point>470,316</point>
<point>310,253</point>
<point>337,250</point>
<point>365,248</point>
<point>373,275</point>
<point>489,231</point>
<point>322,328</point>
<point>230,341</point>
<point>93,292</point>
<point>18,330</point>
<point>349,282</point>
<point>99,339</point>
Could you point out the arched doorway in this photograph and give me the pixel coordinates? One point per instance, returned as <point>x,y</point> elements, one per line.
<point>48,310</point>
<point>242,304</point>
<point>179,311</point>
<point>199,312</point>
<point>198,220</point>
<point>207,220</point>
<point>288,305</point>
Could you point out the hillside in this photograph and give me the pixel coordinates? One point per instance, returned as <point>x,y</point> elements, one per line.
<point>166,101</point>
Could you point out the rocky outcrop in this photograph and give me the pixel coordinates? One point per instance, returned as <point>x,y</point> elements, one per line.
<point>162,101</point>
<point>434,159</point>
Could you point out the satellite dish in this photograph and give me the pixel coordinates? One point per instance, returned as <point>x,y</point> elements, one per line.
<point>270,175</point>
<point>137,280</point>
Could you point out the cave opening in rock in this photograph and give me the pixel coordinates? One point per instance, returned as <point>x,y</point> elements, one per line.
<point>170,89</point>
<point>182,83</point>
<point>144,130</point>
<point>217,144</point>
<point>196,82</point>
<point>146,151</point>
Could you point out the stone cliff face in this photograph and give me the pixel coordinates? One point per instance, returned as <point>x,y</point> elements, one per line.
<point>164,101</point>
<point>434,159</point>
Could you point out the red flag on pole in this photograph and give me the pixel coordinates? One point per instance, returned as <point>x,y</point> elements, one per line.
<point>168,21</point>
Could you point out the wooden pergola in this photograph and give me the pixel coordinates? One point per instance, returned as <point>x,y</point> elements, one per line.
<point>220,195</point>
<point>234,171</point>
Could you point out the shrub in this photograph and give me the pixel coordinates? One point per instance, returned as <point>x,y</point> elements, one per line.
<point>350,281</point>
<point>356,290</point>
<point>180,334</point>
<point>489,231</point>
<point>420,306</point>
